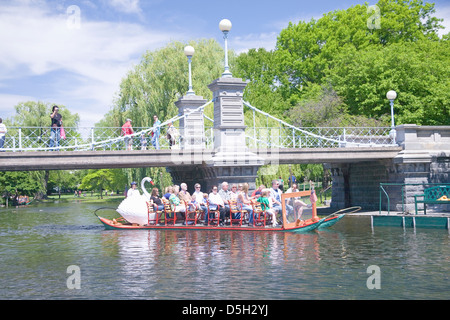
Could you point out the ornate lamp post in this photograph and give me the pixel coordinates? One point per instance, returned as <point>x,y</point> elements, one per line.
<point>392,95</point>
<point>189,52</point>
<point>225,27</point>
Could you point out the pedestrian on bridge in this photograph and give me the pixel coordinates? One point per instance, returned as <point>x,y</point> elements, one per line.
<point>55,133</point>
<point>127,131</point>
<point>172,135</point>
<point>2,133</point>
<point>156,132</point>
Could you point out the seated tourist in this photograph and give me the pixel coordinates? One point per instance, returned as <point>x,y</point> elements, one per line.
<point>244,201</point>
<point>266,205</point>
<point>157,203</point>
<point>275,194</point>
<point>216,203</point>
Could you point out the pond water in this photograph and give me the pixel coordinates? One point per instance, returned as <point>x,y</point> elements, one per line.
<point>41,245</point>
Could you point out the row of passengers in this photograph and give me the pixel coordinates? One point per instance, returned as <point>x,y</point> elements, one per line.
<point>293,205</point>
<point>221,199</point>
<point>198,199</point>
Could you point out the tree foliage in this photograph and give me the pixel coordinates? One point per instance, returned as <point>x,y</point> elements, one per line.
<point>359,56</point>
<point>415,70</point>
<point>21,182</point>
<point>161,77</point>
<point>103,179</point>
<point>37,114</point>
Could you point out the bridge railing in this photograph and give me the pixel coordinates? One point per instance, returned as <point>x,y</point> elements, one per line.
<point>111,138</point>
<point>279,135</point>
<point>285,137</point>
<point>85,138</point>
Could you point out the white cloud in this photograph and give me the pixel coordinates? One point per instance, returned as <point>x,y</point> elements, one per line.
<point>443,12</point>
<point>92,59</point>
<point>262,40</point>
<point>127,6</point>
<point>8,100</point>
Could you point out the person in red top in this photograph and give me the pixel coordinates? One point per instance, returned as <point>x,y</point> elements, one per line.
<point>126,131</point>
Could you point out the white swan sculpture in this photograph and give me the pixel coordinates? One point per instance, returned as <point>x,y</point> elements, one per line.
<point>134,209</point>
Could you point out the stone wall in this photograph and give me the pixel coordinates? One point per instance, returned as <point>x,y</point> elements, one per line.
<point>424,161</point>
<point>357,184</point>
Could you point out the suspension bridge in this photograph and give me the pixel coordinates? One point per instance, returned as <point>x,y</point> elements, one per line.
<point>240,139</point>
<point>278,142</point>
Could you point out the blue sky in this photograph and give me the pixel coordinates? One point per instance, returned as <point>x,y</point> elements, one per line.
<point>76,52</point>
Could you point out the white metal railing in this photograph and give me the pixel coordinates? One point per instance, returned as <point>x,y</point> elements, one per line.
<point>280,135</point>
<point>285,135</point>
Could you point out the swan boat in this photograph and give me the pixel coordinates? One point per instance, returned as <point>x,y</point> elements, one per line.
<point>138,213</point>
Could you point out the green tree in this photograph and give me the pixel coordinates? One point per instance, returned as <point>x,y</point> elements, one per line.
<point>305,51</point>
<point>27,183</point>
<point>258,66</point>
<point>63,180</point>
<point>37,114</point>
<point>336,70</point>
<point>419,71</point>
<point>98,180</point>
<point>302,172</point>
<point>321,106</point>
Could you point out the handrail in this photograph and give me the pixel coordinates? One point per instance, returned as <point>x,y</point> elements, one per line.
<point>403,185</point>
<point>283,136</point>
<point>281,122</point>
<point>91,145</point>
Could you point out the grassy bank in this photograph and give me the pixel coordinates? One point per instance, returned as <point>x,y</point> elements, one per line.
<point>84,198</point>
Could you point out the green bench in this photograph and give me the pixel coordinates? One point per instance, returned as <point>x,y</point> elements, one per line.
<point>431,196</point>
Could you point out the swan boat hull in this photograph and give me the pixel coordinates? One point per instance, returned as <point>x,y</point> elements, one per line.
<point>329,222</point>
<point>308,225</point>
<point>136,215</point>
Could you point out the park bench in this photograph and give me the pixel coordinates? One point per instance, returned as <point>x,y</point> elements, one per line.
<point>433,195</point>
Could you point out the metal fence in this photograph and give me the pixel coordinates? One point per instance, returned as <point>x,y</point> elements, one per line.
<point>86,138</point>
<point>111,138</point>
<point>285,137</point>
<point>279,135</point>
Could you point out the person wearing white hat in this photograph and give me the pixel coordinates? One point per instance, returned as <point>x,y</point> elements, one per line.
<point>133,191</point>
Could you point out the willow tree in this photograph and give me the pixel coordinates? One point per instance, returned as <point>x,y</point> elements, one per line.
<point>152,86</point>
<point>157,82</point>
<point>37,114</point>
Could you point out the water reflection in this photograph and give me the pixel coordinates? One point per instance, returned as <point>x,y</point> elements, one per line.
<point>37,246</point>
<point>213,264</point>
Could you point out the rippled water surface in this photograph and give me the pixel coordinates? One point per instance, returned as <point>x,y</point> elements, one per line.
<point>39,243</point>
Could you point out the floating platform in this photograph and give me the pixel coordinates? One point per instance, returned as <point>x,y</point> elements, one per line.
<point>411,221</point>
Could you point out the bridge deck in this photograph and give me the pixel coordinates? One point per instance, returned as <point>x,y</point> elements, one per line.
<point>71,160</point>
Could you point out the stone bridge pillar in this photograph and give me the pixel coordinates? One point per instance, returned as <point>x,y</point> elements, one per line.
<point>192,144</point>
<point>425,159</point>
<point>232,161</point>
<point>192,127</point>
